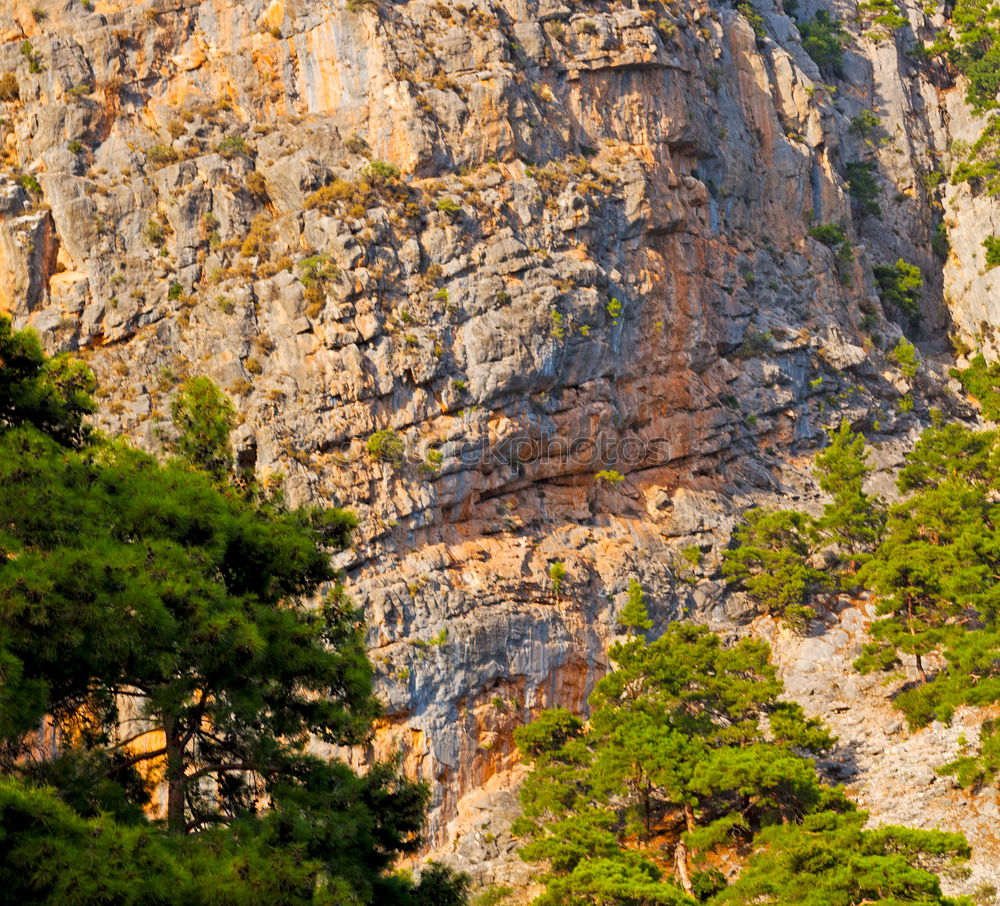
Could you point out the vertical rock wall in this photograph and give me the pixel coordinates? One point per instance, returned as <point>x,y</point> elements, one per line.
<point>589,305</point>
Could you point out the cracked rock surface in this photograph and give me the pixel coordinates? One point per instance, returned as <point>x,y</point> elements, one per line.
<point>562,253</point>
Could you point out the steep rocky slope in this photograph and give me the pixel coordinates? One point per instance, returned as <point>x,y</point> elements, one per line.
<point>536,242</point>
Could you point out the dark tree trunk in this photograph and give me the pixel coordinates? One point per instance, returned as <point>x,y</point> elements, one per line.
<point>176,786</point>
<point>920,664</point>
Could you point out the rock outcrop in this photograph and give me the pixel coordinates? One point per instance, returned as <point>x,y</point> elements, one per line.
<point>562,253</point>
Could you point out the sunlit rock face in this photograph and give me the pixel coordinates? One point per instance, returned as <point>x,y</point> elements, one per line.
<point>561,252</point>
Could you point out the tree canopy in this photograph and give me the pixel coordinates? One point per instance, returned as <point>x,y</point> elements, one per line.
<point>187,651</point>
<point>52,394</point>
<point>689,753</point>
<point>929,560</point>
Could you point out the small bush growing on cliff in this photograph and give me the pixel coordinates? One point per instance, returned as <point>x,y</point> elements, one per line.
<point>755,343</point>
<point>833,237</point>
<point>614,310</point>
<point>982,382</point>
<point>830,234</point>
<point>940,242</point>
<point>9,90</point>
<point>316,274</point>
<point>381,173</point>
<point>991,245</point>
<point>556,324</point>
<point>866,124</point>
<point>256,185</point>
<point>379,182</point>
<point>863,186</point>
<point>557,575</point>
<point>754,19</point>
<point>30,183</point>
<point>155,233</point>
<point>824,39</point>
<point>980,167</point>
<point>160,155</point>
<point>884,17</point>
<point>34,58</point>
<point>386,446</point>
<point>448,206</point>
<point>233,146</point>
<point>899,284</point>
<point>327,197</point>
<point>905,355</point>
<point>259,239</point>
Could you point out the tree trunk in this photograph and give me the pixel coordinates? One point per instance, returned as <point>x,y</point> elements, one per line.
<point>920,663</point>
<point>681,853</point>
<point>681,860</point>
<point>174,777</point>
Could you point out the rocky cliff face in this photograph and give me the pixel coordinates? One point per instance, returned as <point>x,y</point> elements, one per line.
<point>560,251</point>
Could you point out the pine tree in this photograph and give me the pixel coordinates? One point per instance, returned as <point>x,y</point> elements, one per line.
<point>933,571</point>
<point>689,750</point>
<point>830,859</point>
<point>687,739</point>
<point>920,577</point>
<point>852,519</point>
<point>634,616</point>
<point>770,561</point>
<point>174,632</point>
<point>132,581</point>
<point>53,394</point>
<point>952,453</point>
<point>204,418</point>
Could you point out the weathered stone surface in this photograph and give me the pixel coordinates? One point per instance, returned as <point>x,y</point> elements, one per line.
<point>597,258</point>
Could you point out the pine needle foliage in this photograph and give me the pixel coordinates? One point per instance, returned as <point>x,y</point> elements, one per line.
<point>181,639</point>
<point>690,752</point>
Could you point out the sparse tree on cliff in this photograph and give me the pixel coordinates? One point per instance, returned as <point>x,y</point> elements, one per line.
<point>852,519</point>
<point>204,419</point>
<point>935,568</point>
<point>634,616</point>
<point>770,560</point>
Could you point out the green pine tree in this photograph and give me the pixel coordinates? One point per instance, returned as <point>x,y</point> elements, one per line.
<point>830,859</point>
<point>157,620</point>
<point>634,616</point>
<point>933,571</point>
<point>687,740</point>
<point>204,419</point>
<point>690,751</point>
<point>53,394</point>
<point>852,520</point>
<point>771,562</point>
